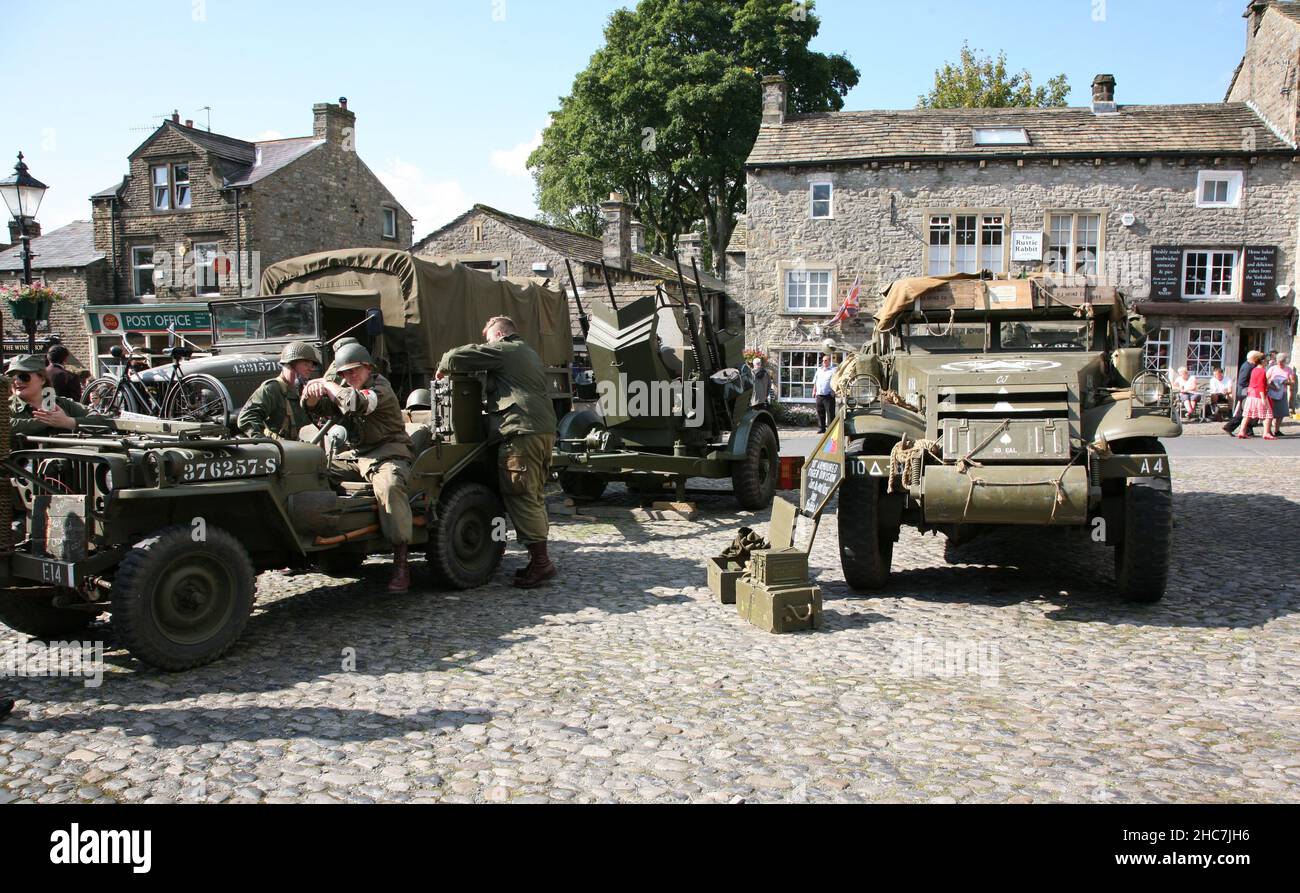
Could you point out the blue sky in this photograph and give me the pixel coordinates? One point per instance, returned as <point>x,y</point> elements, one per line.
<point>451,96</point>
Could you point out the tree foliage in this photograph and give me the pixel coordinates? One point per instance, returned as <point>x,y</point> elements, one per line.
<point>982,82</point>
<point>667,110</point>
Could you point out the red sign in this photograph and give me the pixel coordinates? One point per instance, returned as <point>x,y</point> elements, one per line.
<point>110,321</point>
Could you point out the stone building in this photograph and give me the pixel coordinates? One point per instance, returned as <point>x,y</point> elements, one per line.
<point>488,239</point>
<point>66,260</point>
<point>1191,210</point>
<point>199,215</point>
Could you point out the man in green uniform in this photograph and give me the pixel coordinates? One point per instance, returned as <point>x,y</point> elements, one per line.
<point>380,448</point>
<point>35,409</point>
<point>275,408</point>
<point>517,395</point>
<point>332,374</point>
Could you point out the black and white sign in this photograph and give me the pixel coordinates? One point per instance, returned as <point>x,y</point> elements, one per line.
<point>1166,273</point>
<point>1259,278</point>
<point>1026,246</point>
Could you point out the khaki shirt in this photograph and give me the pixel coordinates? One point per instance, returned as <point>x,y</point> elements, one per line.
<point>275,410</point>
<point>22,418</point>
<point>516,380</point>
<point>381,430</point>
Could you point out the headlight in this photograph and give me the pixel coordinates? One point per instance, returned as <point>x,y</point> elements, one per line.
<point>865,390</point>
<point>1149,389</point>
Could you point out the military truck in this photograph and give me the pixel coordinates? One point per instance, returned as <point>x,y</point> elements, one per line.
<point>165,524</point>
<point>673,402</point>
<point>983,403</point>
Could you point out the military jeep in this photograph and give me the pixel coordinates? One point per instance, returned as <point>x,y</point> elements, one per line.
<point>165,524</point>
<point>985,403</point>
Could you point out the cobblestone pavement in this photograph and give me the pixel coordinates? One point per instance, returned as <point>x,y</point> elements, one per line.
<point>1014,677</point>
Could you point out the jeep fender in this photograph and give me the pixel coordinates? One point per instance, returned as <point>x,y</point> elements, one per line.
<point>1114,421</point>
<point>895,425</point>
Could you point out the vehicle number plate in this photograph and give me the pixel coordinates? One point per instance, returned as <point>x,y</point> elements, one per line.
<point>220,469</point>
<point>58,573</point>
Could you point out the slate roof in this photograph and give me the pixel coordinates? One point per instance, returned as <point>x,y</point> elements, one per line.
<point>271,155</point>
<point>739,241</point>
<point>1199,128</point>
<point>577,246</point>
<point>1289,9</point>
<point>68,246</point>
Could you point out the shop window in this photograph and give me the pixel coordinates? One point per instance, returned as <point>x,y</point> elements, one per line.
<point>1156,351</point>
<point>1209,275</point>
<point>1205,351</point>
<point>795,373</point>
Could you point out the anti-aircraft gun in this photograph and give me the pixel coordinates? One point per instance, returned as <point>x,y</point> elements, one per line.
<point>673,403</point>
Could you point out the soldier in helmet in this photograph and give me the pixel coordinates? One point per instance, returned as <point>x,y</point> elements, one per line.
<point>35,408</point>
<point>275,408</point>
<point>518,398</point>
<point>331,374</point>
<point>381,451</point>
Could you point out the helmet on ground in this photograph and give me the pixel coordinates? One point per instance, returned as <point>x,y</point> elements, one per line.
<point>351,356</point>
<point>420,399</point>
<point>298,350</point>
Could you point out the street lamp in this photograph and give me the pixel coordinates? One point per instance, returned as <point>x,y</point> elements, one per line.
<point>22,194</point>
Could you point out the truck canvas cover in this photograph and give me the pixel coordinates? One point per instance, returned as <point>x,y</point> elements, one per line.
<point>430,307</point>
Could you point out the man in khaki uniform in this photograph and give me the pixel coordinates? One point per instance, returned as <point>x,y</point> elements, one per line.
<point>517,395</point>
<point>275,408</point>
<point>381,450</point>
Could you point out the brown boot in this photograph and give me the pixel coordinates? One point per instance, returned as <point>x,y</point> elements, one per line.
<point>539,570</point>
<point>401,571</point>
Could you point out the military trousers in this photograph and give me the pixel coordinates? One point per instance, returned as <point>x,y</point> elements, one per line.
<point>524,466</point>
<point>390,478</point>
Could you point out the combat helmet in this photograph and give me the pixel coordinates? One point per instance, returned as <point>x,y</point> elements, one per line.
<point>420,399</point>
<point>351,356</point>
<point>298,350</point>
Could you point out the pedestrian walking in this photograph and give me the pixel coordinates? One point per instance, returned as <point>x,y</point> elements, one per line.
<point>824,393</point>
<point>1281,389</point>
<point>1243,384</point>
<point>1256,405</point>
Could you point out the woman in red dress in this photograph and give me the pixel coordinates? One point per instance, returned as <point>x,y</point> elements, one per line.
<point>1256,405</point>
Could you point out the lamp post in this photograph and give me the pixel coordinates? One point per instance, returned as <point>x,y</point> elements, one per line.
<point>22,194</point>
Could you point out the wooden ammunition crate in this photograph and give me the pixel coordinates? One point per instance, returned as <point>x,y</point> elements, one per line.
<point>779,609</point>
<point>723,574</point>
<point>780,567</point>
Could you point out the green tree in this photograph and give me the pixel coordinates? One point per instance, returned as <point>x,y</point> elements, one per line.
<point>668,109</point>
<point>982,82</point>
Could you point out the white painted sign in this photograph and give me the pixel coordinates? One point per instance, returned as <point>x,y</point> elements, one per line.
<point>1026,246</point>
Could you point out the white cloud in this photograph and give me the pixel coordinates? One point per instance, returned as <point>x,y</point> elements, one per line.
<point>268,135</point>
<point>514,161</point>
<point>432,202</point>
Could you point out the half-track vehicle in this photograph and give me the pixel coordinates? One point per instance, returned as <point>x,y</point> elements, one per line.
<point>982,403</point>
<point>164,525</point>
<point>673,402</point>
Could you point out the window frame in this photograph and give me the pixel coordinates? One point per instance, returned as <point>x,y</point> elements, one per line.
<point>785,380</point>
<point>979,214</point>
<point>176,187</point>
<point>1072,256</point>
<point>166,186</point>
<point>1235,181</point>
<point>136,267</point>
<point>783,274</point>
<point>1153,340</point>
<point>813,200</point>
<point>1233,296</point>
<point>172,187</point>
<point>1194,366</point>
<point>389,214</point>
<point>1021,132</point>
<point>200,266</point>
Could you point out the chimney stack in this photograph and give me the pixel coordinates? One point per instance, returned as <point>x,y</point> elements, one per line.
<point>637,230</point>
<point>1103,95</point>
<point>189,122</point>
<point>616,235</point>
<point>689,247</point>
<point>176,116</point>
<point>16,230</point>
<point>776,92</point>
<point>334,123</point>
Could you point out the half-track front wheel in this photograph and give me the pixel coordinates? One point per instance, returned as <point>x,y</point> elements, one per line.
<point>180,603</point>
<point>1142,556</point>
<point>754,477</point>
<point>866,546</point>
<point>36,616</point>
<point>466,541</point>
<point>582,484</point>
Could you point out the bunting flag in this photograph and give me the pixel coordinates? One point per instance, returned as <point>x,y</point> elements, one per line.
<point>850,306</point>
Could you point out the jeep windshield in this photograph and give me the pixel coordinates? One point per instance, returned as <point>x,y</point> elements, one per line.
<point>1009,335</point>
<point>282,319</point>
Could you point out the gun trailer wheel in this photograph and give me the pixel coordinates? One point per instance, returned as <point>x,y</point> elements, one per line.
<point>180,603</point>
<point>466,540</point>
<point>586,485</point>
<point>754,477</point>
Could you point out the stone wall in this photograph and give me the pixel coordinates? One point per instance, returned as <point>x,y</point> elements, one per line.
<point>498,240</point>
<point>87,285</point>
<point>879,229</point>
<point>1268,74</point>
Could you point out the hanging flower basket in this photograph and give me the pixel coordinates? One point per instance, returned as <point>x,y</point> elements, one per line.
<point>30,301</point>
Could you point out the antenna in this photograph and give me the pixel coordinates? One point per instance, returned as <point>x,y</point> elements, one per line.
<point>151,127</point>
<point>208,109</point>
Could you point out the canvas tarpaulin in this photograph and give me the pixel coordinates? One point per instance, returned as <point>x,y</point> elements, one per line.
<point>431,307</point>
<point>902,294</point>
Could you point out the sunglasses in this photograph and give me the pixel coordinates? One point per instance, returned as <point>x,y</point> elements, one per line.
<point>23,377</point>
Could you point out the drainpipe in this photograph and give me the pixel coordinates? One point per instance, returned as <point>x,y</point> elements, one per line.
<point>239,252</point>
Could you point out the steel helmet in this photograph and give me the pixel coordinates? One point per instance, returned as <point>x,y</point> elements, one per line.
<point>298,350</point>
<point>351,356</point>
<point>420,399</point>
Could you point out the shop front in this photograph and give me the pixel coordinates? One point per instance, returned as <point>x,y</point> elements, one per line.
<point>1208,335</point>
<point>154,327</point>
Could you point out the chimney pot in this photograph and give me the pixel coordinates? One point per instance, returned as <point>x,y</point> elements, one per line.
<point>176,116</point>
<point>343,101</point>
<point>189,122</point>
<point>776,93</point>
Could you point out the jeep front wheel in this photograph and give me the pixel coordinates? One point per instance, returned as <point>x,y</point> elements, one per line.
<point>866,546</point>
<point>1142,555</point>
<point>467,539</point>
<point>178,603</point>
